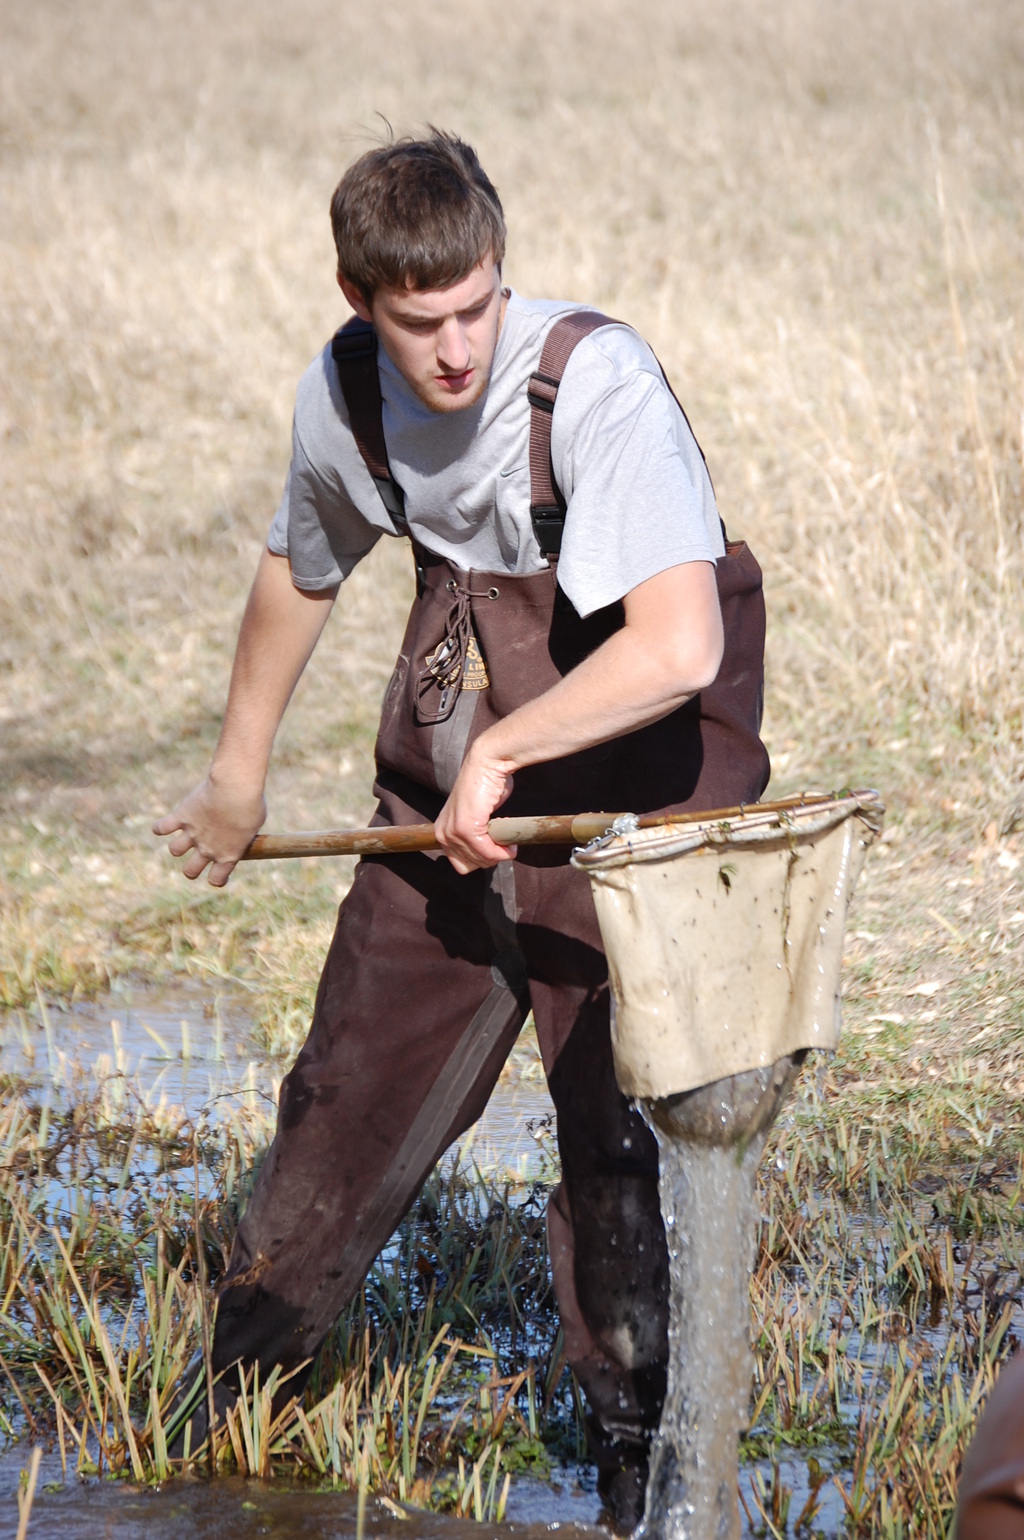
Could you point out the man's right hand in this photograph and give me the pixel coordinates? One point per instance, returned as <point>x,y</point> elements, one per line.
<point>213,826</point>
<point>215,823</point>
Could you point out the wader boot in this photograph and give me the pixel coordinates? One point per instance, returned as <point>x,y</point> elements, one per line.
<point>430,976</point>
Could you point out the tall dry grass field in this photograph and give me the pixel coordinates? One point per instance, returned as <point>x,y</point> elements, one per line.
<point>813,211</point>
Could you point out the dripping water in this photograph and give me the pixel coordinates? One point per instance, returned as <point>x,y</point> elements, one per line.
<point>710,1143</point>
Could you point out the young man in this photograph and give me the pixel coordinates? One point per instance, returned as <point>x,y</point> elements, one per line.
<point>600,677</point>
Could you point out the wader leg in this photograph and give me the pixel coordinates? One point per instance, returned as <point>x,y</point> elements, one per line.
<point>420,1001</point>
<point>991,1503</point>
<point>608,1253</point>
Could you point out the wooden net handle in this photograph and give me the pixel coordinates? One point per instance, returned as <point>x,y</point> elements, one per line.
<point>570,829</point>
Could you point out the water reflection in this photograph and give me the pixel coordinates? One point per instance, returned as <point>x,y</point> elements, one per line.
<point>192,1047</point>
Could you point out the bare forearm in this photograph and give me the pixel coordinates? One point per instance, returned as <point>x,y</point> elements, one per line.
<point>618,689</point>
<point>279,630</point>
<point>669,648</point>
<point>213,824</point>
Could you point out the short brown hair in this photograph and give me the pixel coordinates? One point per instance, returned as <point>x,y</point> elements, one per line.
<point>420,213</point>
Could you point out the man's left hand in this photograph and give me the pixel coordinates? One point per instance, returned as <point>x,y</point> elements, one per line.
<point>482,786</point>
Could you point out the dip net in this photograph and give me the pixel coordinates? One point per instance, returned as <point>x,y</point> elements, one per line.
<point>724,935</point>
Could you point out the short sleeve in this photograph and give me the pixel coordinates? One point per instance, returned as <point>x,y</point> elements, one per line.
<point>639,498</point>
<point>277,539</point>
<point>317,527</point>
<point>317,524</point>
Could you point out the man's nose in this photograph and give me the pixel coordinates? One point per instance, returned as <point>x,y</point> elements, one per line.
<point>453,351</point>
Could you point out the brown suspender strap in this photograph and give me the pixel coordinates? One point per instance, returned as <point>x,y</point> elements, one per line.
<point>547,505</point>
<point>354,349</point>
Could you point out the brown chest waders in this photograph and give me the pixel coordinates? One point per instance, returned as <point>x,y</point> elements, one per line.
<point>430,975</point>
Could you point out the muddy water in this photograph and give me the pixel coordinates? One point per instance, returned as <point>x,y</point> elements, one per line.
<point>234,1508</point>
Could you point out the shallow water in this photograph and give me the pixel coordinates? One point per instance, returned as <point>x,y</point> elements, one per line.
<point>233,1508</point>
<point>217,1057</point>
<point>182,1044</point>
<point>192,1047</point>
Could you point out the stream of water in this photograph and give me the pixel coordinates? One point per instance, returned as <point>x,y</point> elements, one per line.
<point>710,1143</point>
<point>709,1202</point>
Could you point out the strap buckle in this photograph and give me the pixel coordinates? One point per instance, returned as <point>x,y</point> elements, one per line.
<point>541,392</point>
<point>548,526</point>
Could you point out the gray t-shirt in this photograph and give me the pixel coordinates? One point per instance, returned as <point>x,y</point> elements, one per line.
<point>638,495</point>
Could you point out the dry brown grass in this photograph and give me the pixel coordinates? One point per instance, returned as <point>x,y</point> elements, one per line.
<point>813,212</point>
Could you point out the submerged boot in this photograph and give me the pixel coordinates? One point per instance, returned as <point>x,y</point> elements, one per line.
<point>622,1462</point>
<point>622,1488</point>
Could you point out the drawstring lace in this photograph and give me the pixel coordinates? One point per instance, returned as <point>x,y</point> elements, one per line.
<point>446,664</point>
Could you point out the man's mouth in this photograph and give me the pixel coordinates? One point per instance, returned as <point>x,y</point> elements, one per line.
<point>455,381</point>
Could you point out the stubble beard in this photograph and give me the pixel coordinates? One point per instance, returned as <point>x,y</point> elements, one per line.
<point>443,402</point>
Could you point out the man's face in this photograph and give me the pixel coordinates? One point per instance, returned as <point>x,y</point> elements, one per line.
<point>441,341</point>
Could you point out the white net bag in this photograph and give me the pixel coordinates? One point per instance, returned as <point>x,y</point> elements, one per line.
<point>724,936</point>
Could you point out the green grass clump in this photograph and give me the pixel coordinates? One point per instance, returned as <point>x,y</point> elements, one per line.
<point>444,1376</point>
<point>888,1288</point>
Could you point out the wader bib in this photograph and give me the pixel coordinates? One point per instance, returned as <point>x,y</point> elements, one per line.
<point>430,975</point>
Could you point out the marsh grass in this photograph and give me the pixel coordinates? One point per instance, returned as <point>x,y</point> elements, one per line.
<point>888,1289</point>
<point>115,1232</point>
<point>889,1286</point>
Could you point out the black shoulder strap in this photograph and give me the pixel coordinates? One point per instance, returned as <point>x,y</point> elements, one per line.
<point>547,505</point>
<point>354,349</point>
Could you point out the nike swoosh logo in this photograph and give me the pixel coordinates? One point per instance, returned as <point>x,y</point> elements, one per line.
<point>513,470</point>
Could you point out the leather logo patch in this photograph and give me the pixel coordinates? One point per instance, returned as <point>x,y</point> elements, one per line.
<point>475,675</point>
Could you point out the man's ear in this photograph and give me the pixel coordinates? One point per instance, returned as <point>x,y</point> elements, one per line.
<point>355,298</point>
